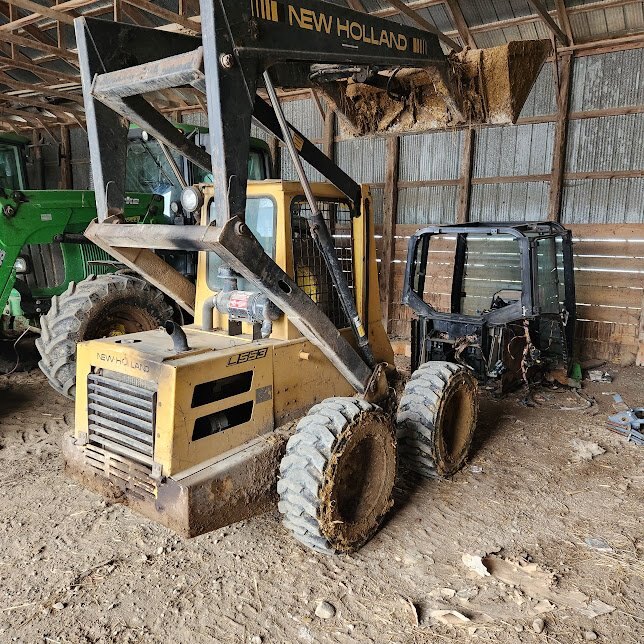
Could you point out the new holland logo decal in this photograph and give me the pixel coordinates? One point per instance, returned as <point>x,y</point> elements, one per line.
<point>343,28</point>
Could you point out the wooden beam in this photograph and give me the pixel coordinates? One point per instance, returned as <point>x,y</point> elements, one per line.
<point>56,76</point>
<point>66,181</point>
<point>28,116</point>
<point>424,24</point>
<point>390,213</point>
<point>357,5</point>
<point>461,24</point>
<point>40,46</point>
<point>561,135</point>
<point>328,147</point>
<point>20,23</point>
<point>170,16</point>
<point>550,23</point>
<point>63,112</point>
<point>465,187</point>
<point>13,84</point>
<point>43,10</point>
<point>564,19</point>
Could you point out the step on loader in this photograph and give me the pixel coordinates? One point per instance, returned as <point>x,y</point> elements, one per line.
<point>192,425</point>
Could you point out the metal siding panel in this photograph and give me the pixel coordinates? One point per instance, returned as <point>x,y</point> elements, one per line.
<point>427,205</point>
<point>377,197</point>
<point>542,97</point>
<point>603,201</point>
<point>605,143</point>
<point>362,159</point>
<point>608,80</point>
<point>304,115</point>
<point>426,157</point>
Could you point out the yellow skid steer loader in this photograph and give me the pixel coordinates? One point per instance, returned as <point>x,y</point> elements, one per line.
<point>186,425</point>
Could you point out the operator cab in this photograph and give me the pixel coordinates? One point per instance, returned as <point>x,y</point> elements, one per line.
<point>498,298</point>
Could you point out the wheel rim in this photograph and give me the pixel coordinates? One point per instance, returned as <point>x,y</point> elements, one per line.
<point>457,419</point>
<point>120,319</point>
<point>357,490</point>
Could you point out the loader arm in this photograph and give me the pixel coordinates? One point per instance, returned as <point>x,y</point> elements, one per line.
<point>300,44</point>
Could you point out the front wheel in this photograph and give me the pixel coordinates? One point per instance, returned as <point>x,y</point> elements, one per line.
<point>98,307</point>
<point>436,418</point>
<point>337,477</point>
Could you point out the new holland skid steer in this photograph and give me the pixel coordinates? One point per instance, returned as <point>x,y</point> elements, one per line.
<point>186,425</point>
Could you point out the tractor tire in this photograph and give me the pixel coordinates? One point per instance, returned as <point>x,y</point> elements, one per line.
<point>98,307</point>
<point>437,418</point>
<point>337,476</point>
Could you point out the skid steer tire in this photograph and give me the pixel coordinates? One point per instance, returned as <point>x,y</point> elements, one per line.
<point>98,307</point>
<point>437,418</point>
<point>337,476</point>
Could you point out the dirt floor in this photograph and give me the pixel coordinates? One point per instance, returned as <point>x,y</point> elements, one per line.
<point>559,530</point>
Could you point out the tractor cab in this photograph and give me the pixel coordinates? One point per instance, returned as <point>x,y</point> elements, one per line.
<point>13,174</point>
<point>498,298</point>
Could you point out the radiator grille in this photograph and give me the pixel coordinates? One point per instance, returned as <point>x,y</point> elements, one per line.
<point>311,272</point>
<point>121,415</point>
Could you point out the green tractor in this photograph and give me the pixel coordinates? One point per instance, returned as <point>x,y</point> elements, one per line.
<point>59,288</point>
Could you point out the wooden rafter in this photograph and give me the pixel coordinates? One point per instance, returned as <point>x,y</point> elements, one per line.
<point>564,19</point>
<point>43,10</point>
<point>357,5</point>
<point>43,72</point>
<point>461,24</point>
<point>32,18</point>
<point>549,22</point>
<point>424,24</point>
<point>66,54</point>
<point>166,14</point>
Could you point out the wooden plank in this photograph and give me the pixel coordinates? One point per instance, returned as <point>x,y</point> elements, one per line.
<point>618,264</point>
<point>390,211</point>
<point>631,297</point>
<point>561,136</point>
<point>608,314</point>
<point>607,231</point>
<point>599,279</point>
<point>610,248</point>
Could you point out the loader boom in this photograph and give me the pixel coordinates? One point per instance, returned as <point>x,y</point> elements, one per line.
<point>308,43</point>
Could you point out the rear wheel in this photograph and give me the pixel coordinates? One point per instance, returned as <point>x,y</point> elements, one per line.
<point>98,307</point>
<point>436,418</point>
<point>337,476</point>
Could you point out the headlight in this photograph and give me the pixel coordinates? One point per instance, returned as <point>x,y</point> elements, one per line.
<point>191,199</point>
<point>145,136</point>
<point>21,265</point>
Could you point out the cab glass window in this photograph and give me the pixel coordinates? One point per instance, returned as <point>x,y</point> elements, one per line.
<point>10,168</point>
<point>261,219</point>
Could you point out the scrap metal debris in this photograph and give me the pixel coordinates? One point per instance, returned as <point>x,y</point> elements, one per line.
<point>628,422</point>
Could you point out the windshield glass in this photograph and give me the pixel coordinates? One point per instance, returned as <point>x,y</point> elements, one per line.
<point>148,169</point>
<point>10,168</point>
<point>260,218</point>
